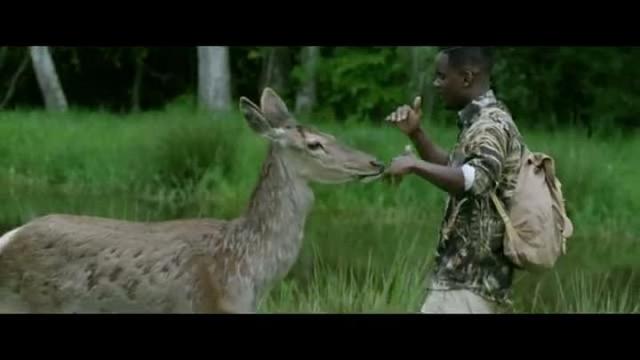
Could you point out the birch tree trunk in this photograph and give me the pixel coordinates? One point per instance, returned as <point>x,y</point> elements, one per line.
<point>275,68</point>
<point>14,80</point>
<point>47,76</point>
<point>214,78</point>
<point>136,89</point>
<point>306,96</point>
<point>3,55</point>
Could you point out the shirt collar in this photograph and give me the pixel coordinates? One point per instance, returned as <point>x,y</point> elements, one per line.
<point>467,114</point>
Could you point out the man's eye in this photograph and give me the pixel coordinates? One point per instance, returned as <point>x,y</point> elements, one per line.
<point>314,146</point>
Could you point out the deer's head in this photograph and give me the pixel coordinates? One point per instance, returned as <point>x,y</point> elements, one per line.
<point>311,154</point>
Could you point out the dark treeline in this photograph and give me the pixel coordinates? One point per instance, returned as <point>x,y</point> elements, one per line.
<point>568,86</point>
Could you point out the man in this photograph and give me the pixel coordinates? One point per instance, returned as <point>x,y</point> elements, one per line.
<point>472,275</point>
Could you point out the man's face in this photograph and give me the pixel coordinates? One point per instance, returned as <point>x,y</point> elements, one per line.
<point>450,83</point>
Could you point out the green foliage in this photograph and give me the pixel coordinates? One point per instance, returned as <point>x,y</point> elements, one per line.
<point>582,87</point>
<point>579,86</point>
<point>187,149</point>
<point>361,83</point>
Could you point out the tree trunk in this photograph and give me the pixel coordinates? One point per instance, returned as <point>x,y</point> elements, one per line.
<point>275,68</point>
<point>3,55</point>
<point>306,97</point>
<point>137,80</point>
<point>47,76</point>
<point>214,78</point>
<point>14,81</point>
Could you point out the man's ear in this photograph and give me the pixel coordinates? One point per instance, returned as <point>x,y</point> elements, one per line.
<point>254,117</point>
<point>469,74</point>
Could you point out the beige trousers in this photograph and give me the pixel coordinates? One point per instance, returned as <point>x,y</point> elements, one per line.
<point>456,302</point>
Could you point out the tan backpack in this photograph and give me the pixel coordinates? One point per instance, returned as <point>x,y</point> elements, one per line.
<point>537,226</point>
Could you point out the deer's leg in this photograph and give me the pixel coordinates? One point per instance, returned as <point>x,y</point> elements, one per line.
<point>12,303</point>
<point>237,305</point>
<point>224,304</point>
<point>238,297</point>
<point>215,295</point>
<point>13,308</point>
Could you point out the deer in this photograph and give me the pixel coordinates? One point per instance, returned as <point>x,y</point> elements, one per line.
<point>66,263</point>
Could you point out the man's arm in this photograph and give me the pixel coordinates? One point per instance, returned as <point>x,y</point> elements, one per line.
<point>407,119</point>
<point>427,149</point>
<point>454,180</point>
<point>478,175</point>
<point>449,179</point>
<point>487,152</point>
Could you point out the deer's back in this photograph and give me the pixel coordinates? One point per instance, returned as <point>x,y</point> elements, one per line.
<point>111,263</point>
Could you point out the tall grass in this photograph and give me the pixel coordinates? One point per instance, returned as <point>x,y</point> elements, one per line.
<point>367,247</point>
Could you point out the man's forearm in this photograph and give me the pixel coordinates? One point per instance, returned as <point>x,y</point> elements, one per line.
<point>449,179</point>
<point>427,149</point>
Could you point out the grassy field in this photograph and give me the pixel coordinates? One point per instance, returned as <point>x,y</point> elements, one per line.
<point>367,246</point>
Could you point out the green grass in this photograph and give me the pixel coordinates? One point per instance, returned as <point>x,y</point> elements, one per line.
<point>367,246</point>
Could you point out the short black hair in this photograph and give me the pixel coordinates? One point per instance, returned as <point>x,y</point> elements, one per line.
<point>460,56</point>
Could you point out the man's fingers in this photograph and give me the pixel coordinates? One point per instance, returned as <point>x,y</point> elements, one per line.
<point>402,112</point>
<point>390,117</point>
<point>417,103</point>
<point>408,150</point>
<point>392,179</point>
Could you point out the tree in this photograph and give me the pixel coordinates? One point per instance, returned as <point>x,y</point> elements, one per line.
<point>275,68</point>
<point>47,76</point>
<point>306,96</point>
<point>139,56</point>
<point>14,79</point>
<point>214,78</point>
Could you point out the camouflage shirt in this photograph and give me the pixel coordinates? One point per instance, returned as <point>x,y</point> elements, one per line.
<point>470,251</point>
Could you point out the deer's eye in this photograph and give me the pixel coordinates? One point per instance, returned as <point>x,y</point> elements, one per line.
<point>314,146</point>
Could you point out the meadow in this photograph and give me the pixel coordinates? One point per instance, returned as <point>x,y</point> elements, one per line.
<point>368,247</point>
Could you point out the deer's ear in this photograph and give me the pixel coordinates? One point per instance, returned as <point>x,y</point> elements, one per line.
<point>254,117</point>
<point>274,109</point>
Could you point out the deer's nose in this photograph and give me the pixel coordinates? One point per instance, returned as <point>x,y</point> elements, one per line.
<point>377,164</point>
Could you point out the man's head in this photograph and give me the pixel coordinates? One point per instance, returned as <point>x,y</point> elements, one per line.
<point>462,73</point>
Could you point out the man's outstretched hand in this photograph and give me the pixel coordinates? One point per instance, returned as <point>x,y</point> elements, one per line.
<point>401,166</point>
<point>407,118</point>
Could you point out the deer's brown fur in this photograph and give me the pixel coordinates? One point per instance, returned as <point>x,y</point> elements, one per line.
<point>70,263</point>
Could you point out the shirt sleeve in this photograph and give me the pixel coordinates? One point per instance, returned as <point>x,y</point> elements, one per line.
<point>486,149</point>
<point>469,173</point>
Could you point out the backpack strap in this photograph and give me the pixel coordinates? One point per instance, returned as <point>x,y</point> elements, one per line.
<point>511,231</point>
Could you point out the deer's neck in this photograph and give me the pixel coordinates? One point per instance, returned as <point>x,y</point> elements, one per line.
<point>276,216</point>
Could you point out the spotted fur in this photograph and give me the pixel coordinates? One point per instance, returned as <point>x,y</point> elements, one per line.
<point>78,264</point>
